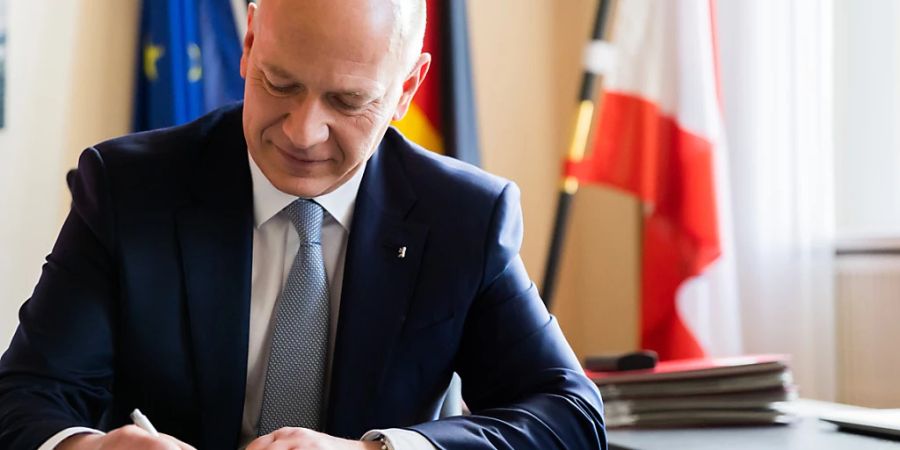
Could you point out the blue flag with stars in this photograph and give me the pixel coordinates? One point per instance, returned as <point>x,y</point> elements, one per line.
<point>188,61</point>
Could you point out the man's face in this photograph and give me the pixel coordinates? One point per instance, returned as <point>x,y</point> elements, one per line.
<point>323,81</point>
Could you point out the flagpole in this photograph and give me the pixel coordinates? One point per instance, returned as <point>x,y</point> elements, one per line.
<point>578,143</point>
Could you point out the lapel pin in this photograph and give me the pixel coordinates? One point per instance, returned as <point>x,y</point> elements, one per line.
<point>401,252</point>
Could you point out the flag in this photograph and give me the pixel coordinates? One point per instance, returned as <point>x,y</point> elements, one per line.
<point>188,60</point>
<point>659,136</point>
<point>441,117</point>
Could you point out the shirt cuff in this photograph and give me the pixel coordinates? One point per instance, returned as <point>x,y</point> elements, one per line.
<point>51,443</point>
<point>397,439</point>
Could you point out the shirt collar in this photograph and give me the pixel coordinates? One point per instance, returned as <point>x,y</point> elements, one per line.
<point>269,201</point>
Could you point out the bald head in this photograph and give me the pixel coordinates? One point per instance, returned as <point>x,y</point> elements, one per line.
<point>403,20</point>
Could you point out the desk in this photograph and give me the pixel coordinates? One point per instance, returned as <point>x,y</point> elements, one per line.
<point>807,433</point>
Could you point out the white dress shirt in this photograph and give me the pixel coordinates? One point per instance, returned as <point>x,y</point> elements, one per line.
<point>275,244</point>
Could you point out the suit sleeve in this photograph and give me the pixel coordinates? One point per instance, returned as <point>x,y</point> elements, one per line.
<point>521,380</point>
<point>57,371</point>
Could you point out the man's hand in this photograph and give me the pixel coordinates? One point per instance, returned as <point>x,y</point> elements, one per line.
<point>306,439</point>
<point>127,437</point>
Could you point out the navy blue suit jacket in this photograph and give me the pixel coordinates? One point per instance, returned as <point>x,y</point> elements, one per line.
<point>144,302</point>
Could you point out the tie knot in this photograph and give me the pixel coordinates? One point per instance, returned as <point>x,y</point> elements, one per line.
<point>306,215</point>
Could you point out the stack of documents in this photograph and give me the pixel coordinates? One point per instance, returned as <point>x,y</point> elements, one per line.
<point>746,390</point>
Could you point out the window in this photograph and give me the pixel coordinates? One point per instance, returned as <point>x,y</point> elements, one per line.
<point>867,122</point>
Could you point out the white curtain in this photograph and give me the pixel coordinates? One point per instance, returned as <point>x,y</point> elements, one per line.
<point>776,72</point>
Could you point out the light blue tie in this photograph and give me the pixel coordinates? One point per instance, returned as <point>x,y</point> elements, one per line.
<point>295,376</point>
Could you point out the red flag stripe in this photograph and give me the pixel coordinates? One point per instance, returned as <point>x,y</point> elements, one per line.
<point>428,98</point>
<point>642,151</point>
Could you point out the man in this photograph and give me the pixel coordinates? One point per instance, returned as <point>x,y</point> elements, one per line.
<point>291,273</point>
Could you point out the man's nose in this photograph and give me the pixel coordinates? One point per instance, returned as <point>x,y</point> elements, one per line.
<point>307,123</point>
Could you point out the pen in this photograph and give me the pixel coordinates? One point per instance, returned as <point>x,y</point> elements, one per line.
<point>143,422</point>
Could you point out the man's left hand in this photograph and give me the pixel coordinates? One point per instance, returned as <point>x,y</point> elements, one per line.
<point>306,439</point>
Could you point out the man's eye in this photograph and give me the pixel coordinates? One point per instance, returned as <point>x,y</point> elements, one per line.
<point>347,105</point>
<point>279,89</point>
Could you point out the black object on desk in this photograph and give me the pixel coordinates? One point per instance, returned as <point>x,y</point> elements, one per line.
<point>645,359</point>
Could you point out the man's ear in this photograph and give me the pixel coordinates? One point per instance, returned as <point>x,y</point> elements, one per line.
<point>411,84</point>
<point>248,38</point>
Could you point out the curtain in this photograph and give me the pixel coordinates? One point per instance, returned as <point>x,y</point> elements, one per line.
<point>776,72</point>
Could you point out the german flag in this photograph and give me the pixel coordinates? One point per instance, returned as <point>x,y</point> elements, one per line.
<point>442,115</point>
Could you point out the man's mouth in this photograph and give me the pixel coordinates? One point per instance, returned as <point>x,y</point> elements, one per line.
<point>299,158</point>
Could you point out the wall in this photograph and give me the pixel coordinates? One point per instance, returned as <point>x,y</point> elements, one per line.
<point>65,90</point>
<point>867,153</point>
<point>867,110</point>
<point>70,87</point>
<point>527,59</point>
<point>867,306</point>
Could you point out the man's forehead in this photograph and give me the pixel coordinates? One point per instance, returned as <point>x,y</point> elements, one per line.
<point>401,21</point>
<point>346,28</point>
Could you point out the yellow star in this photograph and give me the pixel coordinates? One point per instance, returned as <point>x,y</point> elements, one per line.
<point>195,72</point>
<point>152,54</point>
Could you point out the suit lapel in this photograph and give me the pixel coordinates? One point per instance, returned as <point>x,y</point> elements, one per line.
<point>383,255</point>
<point>215,234</point>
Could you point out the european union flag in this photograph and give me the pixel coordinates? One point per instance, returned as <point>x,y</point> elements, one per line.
<point>188,61</point>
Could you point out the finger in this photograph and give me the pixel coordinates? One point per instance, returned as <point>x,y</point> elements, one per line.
<point>174,440</point>
<point>133,430</point>
<point>131,433</point>
<point>261,442</point>
<point>286,438</point>
<point>131,436</point>
<point>286,444</point>
<point>289,433</point>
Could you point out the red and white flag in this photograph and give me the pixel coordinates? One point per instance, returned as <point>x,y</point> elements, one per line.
<point>659,136</point>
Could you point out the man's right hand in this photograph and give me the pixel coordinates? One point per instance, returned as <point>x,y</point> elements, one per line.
<point>127,437</point>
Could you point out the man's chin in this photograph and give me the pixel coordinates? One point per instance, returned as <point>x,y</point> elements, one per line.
<point>307,187</point>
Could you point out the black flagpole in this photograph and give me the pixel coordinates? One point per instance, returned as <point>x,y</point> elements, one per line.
<point>580,135</point>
